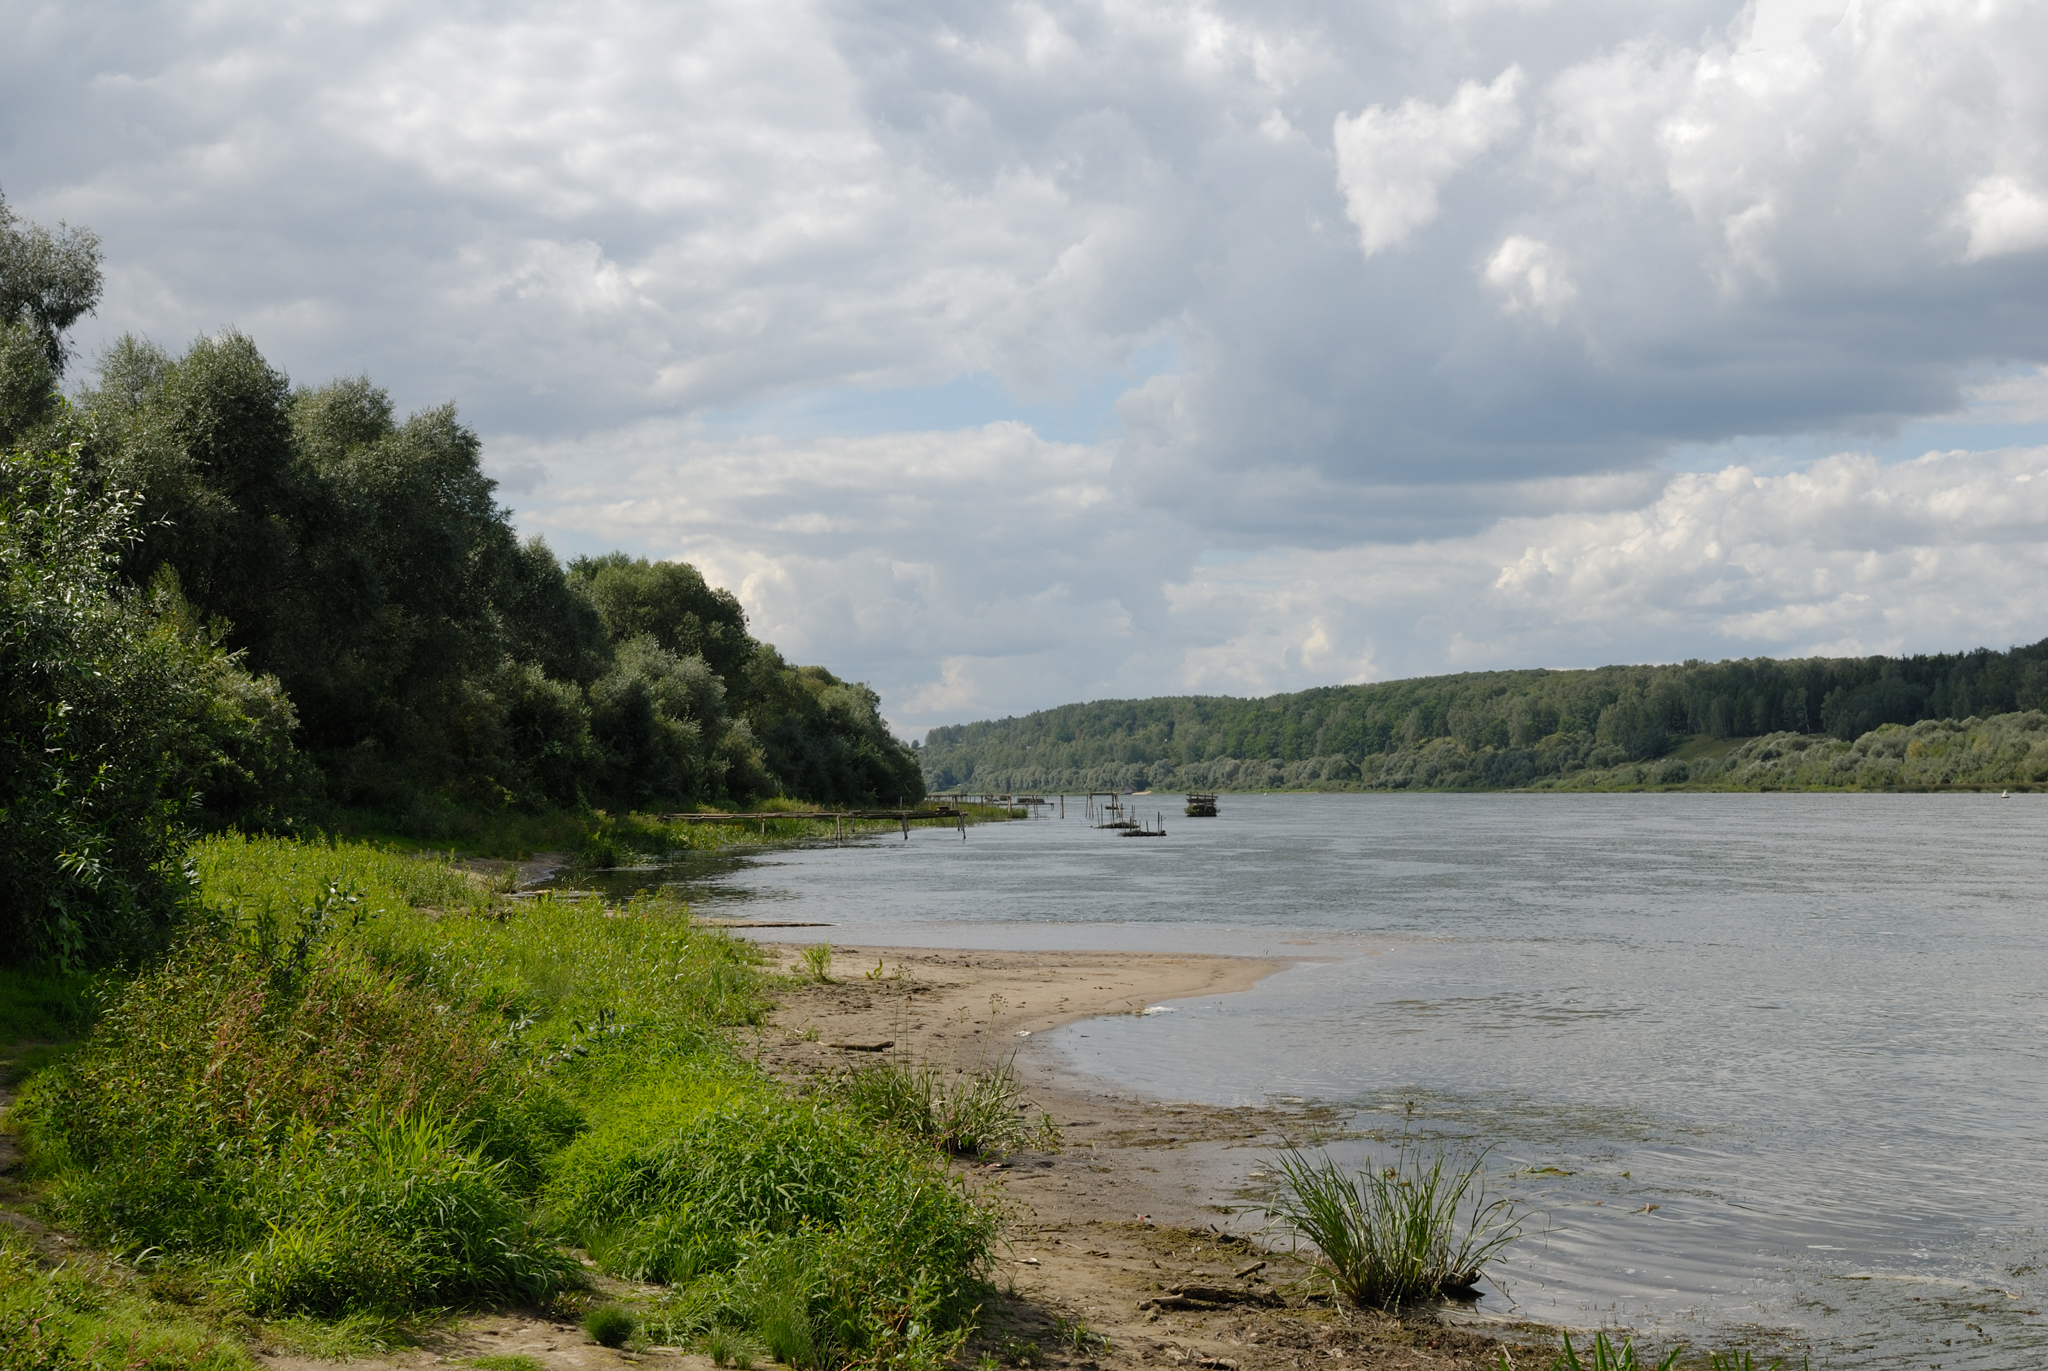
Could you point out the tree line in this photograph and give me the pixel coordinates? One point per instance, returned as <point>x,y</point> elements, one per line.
<point>231,600</point>
<point>1472,730</point>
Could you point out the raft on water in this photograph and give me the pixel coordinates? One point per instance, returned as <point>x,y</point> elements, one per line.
<point>1201,807</point>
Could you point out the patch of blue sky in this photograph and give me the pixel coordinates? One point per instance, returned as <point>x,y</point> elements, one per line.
<point>1774,455</point>
<point>1075,409</point>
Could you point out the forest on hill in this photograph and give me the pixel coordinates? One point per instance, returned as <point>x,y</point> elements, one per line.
<point>232,601</point>
<point>1499,729</point>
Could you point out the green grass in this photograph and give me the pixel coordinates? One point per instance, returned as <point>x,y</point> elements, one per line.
<point>1604,1355</point>
<point>1394,1235</point>
<point>364,1086</point>
<point>505,1363</point>
<point>91,1316</point>
<point>984,1112</point>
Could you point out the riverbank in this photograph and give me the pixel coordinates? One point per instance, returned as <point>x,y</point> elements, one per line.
<point>1144,1197</point>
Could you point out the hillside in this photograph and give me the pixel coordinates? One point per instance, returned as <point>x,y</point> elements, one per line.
<point>1488,730</point>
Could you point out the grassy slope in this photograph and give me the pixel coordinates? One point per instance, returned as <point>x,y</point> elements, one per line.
<point>365,1087</point>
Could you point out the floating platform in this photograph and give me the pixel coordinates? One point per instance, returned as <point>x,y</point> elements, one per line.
<point>1201,807</point>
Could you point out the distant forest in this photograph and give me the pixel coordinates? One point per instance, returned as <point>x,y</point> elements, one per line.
<point>1502,729</point>
<point>229,600</point>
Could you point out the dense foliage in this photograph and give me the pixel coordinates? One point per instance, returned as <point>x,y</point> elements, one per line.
<point>230,600</point>
<point>362,1084</point>
<point>120,716</point>
<point>1475,730</point>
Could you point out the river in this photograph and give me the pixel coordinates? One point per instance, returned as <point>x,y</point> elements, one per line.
<point>1763,1068</point>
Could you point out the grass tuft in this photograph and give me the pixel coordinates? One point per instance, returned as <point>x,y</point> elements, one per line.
<point>983,1114</point>
<point>608,1325</point>
<point>1395,1235</point>
<point>818,962</point>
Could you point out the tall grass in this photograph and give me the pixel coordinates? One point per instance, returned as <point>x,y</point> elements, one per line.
<point>364,1084</point>
<point>1394,1235</point>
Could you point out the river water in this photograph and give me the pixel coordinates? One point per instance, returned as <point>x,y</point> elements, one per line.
<point>1763,1068</point>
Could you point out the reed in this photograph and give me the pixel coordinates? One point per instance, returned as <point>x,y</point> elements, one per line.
<point>1394,1235</point>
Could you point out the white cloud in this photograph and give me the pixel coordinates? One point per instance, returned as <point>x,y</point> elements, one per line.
<point>2003,215</point>
<point>1527,275</point>
<point>1392,163</point>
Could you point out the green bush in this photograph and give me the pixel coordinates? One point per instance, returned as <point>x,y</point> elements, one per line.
<point>122,721</point>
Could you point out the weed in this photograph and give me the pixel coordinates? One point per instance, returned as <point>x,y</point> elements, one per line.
<point>1605,1356</point>
<point>1074,1335</point>
<point>778,1292</point>
<point>83,1317</point>
<point>818,962</point>
<point>1739,1360</point>
<point>1390,1236</point>
<point>1018,1352</point>
<point>608,1325</point>
<point>338,1339</point>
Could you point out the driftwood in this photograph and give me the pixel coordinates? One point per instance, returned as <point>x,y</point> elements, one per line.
<point>1210,1297</point>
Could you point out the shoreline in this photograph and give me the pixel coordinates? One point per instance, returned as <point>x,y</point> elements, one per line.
<point>1145,1195</point>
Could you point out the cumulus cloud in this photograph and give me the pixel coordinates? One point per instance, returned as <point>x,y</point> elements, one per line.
<point>2004,215</point>
<point>1006,352</point>
<point>1526,274</point>
<point>1391,163</point>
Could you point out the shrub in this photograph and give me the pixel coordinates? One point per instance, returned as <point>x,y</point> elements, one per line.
<point>1391,1236</point>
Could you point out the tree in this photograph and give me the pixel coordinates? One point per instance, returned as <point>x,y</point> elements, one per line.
<point>48,281</point>
<point>121,723</point>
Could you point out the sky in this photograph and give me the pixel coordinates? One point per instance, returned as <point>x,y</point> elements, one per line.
<point>1007,354</point>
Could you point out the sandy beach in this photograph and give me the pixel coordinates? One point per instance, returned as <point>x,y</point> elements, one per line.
<point>1144,1199</point>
